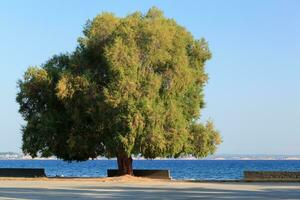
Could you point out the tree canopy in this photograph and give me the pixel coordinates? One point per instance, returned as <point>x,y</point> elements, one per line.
<point>133,86</point>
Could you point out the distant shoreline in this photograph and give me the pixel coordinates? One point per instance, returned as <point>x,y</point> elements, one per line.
<point>20,156</point>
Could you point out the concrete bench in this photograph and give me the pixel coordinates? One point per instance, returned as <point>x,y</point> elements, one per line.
<point>148,173</point>
<point>271,176</point>
<point>22,172</point>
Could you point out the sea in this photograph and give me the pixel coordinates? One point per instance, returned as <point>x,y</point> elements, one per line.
<point>179,169</point>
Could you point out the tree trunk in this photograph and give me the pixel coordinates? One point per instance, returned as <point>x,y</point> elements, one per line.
<point>125,165</point>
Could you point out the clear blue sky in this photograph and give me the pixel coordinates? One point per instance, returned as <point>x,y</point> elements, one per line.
<point>253,95</point>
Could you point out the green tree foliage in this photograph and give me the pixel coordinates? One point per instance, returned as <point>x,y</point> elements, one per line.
<point>133,86</point>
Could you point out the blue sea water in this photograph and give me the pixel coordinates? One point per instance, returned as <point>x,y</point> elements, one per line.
<point>180,169</point>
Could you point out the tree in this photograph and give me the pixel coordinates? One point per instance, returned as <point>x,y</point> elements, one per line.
<point>133,86</point>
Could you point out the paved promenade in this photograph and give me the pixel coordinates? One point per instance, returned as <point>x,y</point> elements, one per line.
<point>89,189</point>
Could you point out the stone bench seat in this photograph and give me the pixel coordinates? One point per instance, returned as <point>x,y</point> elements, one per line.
<point>148,173</point>
<point>22,172</point>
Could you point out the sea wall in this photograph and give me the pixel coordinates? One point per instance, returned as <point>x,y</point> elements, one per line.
<point>271,176</point>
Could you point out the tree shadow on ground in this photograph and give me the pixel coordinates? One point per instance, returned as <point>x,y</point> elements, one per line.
<point>143,192</point>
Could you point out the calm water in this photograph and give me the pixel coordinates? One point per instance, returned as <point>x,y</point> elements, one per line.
<point>180,169</point>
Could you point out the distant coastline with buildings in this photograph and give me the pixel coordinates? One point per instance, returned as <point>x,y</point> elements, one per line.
<point>20,156</point>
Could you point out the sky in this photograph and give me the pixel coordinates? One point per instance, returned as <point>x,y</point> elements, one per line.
<point>253,94</point>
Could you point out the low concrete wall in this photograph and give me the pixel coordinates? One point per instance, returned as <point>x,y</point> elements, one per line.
<point>271,176</point>
<point>157,174</point>
<point>22,172</point>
